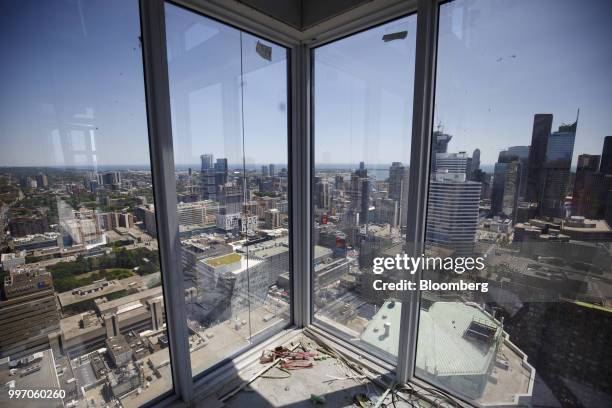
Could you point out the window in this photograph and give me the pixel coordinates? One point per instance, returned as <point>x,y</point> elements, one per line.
<point>363,88</point>
<point>230,126</point>
<point>82,310</point>
<point>522,180</point>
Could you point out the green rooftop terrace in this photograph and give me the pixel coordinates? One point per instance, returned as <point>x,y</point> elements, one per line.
<point>224,260</point>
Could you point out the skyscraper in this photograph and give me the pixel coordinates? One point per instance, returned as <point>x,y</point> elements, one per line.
<point>360,191</point>
<point>207,161</point>
<point>522,154</point>
<point>439,142</point>
<point>475,162</point>
<point>606,156</point>
<point>398,189</point>
<point>452,218</point>
<point>542,125</point>
<point>207,177</point>
<point>452,162</point>
<point>272,171</point>
<point>559,153</point>
<point>582,197</point>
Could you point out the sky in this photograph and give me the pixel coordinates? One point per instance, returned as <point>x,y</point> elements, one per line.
<point>73,93</point>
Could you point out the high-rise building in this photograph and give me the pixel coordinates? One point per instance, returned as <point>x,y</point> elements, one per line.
<point>221,172</point>
<point>207,162</point>
<point>272,170</point>
<point>28,314</point>
<point>506,181</point>
<point>556,169</point>
<point>510,194</point>
<point>606,156</point>
<point>452,162</point>
<point>439,142</point>
<point>321,193</point>
<point>582,197</point>
<point>386,211</point>
<point>42,181</point>
<point>360,191</point>
<point>398,189</point>
<point>264,171</point>
<point>522,155</point>
<point>475,164</point>
<point>272,219</point>
<point>111,178</point>
<point>542,125</point>
<point>230,198</point>
<point>452,218</point>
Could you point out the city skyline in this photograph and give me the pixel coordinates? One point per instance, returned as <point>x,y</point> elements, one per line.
<point>116,112</point>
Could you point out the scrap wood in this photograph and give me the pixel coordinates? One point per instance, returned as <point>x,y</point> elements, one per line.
<point>384,395</point>
<point>253,378</point>
<point>275,377</point>
<point>296,364</point>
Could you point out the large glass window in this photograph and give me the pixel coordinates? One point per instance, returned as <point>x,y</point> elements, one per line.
<point>521,177</point>
<point>82,309</point>
<point>363,87</point>
<point>230,126</point>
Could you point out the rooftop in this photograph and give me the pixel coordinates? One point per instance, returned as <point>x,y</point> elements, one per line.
<point>223,260</point>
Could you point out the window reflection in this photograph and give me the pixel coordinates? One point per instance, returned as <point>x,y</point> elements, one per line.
<point>229,112</point>
<point>82,308</point>
<point>518,177</point>
<point>363,87</point>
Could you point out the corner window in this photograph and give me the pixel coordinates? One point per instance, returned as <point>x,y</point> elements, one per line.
<point>228,94</point>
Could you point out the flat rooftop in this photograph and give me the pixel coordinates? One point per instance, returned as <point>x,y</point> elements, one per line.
<point>36,375</point>
<point>223,260</point>
<point>444,350</point>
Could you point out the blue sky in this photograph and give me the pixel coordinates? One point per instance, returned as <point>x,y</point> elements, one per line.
<point>72,83</point>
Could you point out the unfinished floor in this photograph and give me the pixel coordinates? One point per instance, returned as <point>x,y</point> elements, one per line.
<point>330,382</point>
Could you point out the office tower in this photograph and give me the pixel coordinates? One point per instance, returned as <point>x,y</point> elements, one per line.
<point>398,189</point>
<point>386,211</point>
<point>112,178</point>
<point>221,172</point>
<point>272,171</point>
<point>504,194</point>
<point>264,171</point>
<point>360,191</point>
<point>606,156</point>
<point>230,199</point>
<point>452,218</point>
<point>42,181</point>
<point>362,171</point>
<point>475,163</point>
<point>506,180</point>
<point>542,125</point>
<point>522,154</point>
<point>582,197</point>
<point>440,141</point>
<point>321,193</point>
<point>559,153</point>
<point>28,314</point>
<point>439,144</point>
<point>207,162</point>
<point>451,162</point>
<point>339,182</point>
<point>272,219</point>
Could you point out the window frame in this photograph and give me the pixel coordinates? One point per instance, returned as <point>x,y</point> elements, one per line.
<point>300,46</point>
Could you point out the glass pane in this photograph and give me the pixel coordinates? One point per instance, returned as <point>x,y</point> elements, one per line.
<point>82,309</point>
<point>229,111</point>
<point>363,89</point>
<point>520,202</point>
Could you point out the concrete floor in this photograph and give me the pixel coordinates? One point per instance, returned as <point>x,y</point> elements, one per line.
<point>295,391</point>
